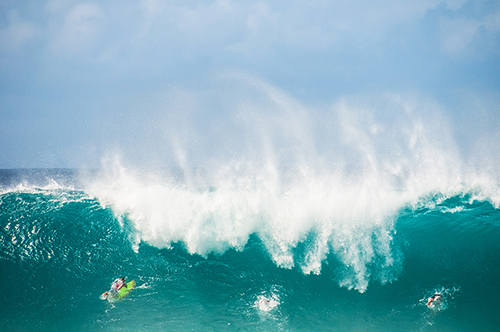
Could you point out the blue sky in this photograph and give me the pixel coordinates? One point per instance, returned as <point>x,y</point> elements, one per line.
<point>81,78</point>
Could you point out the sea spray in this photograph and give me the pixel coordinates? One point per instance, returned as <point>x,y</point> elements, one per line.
<point>333,185</point>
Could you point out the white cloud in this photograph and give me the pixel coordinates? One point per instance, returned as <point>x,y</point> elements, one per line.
<point>470,36</point>
<point>492,22</point>
<point>257,27</point>
<point>458,34</point>
<point>78,31</point>
<point>455,4</point>
<point>228,27</point>
<point>54,6</point>
<point>17,33</point>
<point>259,17</point>
<point>151,10</point>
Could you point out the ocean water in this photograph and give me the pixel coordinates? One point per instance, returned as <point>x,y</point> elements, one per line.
<point>274,250</point>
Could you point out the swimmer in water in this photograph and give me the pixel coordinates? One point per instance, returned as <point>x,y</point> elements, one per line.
<point>264,302</point>
<point>436,299</point>
<point>119,284</point>
<point>115,287</point>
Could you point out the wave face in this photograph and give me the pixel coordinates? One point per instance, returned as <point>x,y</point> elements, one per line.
<point>298,253</point>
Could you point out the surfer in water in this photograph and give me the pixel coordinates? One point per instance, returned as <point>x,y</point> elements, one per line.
<point>434,300</point>
<point>115,287</point>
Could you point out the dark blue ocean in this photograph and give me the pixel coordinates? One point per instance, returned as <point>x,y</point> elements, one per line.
<point>326,251</point>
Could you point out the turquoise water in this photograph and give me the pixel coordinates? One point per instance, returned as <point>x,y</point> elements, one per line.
<point>243,258</point>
